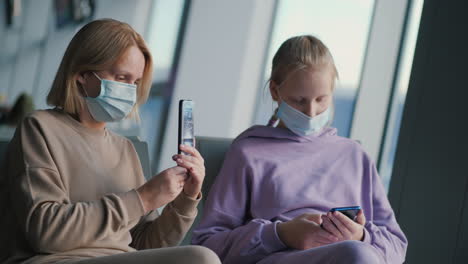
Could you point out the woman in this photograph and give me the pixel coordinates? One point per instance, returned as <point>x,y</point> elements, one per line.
<point>270,201</point>
<point>75,191</point>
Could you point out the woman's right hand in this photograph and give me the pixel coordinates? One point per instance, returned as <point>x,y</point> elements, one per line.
<point>304,232</point>
<point>162,188</point>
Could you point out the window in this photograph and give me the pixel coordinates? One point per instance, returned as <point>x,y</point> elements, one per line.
<point>166,22</point>
<point>162,36</point>
<point>343,26</point>
<point>400,88</point>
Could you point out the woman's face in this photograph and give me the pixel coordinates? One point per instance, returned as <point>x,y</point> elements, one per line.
<point>308,91</point>
<point>128,68</point>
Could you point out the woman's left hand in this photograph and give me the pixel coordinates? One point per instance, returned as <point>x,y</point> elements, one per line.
<point>344,228</point>
<point>195,166</point>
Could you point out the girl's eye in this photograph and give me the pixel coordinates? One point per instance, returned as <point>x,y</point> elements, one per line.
<point>322,99</point>
<point>297,101</point>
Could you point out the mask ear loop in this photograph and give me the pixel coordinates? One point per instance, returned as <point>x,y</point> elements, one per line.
<point>95,74</point>
<point>84,90</point>
<point>274,118</point>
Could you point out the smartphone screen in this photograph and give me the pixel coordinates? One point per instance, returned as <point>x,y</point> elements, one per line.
<point>186,128</point>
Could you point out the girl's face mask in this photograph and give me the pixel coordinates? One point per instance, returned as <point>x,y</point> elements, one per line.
<point>309,95</point>
<point>300,123</point>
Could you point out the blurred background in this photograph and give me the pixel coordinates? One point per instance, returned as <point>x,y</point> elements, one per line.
<point>218,53</point>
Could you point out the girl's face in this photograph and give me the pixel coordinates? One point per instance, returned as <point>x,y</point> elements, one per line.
<point>308,91</point>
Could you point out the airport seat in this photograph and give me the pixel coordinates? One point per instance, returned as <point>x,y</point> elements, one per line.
<point>141,148</point>
<point>213,150</point>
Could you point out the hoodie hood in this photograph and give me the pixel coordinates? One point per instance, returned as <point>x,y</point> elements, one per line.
<point>259,131</point>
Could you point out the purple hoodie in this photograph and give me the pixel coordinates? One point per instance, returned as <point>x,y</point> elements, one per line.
<point>271,175</point>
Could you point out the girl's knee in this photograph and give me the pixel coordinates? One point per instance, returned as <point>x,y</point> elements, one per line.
<point>356,252</point>
<point>202,255</point>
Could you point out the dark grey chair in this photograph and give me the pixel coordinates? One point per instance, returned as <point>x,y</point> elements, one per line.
<point>213,151</point>
<point>141,148</point>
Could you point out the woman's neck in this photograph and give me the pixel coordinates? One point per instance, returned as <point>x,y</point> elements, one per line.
<point>87,120</point>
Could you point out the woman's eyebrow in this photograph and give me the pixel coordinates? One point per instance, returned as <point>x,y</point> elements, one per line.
<point>118,71</point>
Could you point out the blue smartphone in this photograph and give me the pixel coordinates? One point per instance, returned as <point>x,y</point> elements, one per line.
<point>350,211</point>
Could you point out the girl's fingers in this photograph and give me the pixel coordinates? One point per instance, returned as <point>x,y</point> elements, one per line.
<point>348,223</point>
<point>361,218</point>
<point>330,227</point>
<point>325,236</point>
<point>343,229</point>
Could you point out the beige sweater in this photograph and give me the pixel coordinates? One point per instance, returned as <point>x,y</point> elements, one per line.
<point>68,192</point>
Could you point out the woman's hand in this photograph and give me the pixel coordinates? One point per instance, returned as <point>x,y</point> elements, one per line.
<point>344,228</point>
<point>304,232</point>
<point>162,188</point>
<point>195,166</point>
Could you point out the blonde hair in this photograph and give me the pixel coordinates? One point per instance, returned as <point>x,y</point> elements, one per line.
<point>299,53</point>
<point>96,47</point>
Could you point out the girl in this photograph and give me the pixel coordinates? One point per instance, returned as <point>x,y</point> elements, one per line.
<point>270,201</point>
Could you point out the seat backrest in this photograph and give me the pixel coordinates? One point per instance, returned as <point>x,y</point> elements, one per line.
<point>6,134</point>
<point>141,148</point>
<point>213,151</point>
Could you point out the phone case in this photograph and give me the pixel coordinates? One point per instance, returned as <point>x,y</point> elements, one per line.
<point>349,211</point>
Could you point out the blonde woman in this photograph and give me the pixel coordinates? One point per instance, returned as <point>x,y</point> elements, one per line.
<point>74,192</point>
<point>271,199</point>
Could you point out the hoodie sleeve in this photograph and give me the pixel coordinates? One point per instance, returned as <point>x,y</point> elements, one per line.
<point>382,230</point>
<point>226,227</point>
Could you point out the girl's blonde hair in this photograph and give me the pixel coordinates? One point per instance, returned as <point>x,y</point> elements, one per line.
<point>299,53</point>
<point>96,47</point>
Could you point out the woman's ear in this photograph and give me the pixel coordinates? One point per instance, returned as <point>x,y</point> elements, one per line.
<point>274,91</point>
<point>81,78</point>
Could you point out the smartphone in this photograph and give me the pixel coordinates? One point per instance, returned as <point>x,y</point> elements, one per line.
<point>349,211</point>
<point>186,130</point>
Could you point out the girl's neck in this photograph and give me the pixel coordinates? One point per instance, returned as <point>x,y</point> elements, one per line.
<point>281,125</point>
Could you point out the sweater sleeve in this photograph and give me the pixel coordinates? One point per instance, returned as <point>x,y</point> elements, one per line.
<point>49,220</point>
<point>382,230</point>
<point>168,229</point>
<point>226,226</point>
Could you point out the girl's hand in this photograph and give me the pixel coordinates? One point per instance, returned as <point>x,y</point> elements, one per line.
<point>304,232</point>
<point>344,228</point>
<point>195,166</point>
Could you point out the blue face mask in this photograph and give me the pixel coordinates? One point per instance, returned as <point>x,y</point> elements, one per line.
<point>300,123</point>
<point>114,102</point>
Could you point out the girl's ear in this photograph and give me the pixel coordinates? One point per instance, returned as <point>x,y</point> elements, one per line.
<point>274,91</point>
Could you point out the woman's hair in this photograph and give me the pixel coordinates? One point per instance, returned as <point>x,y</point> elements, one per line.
<point>299,53</point>
<point>96,47</point>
